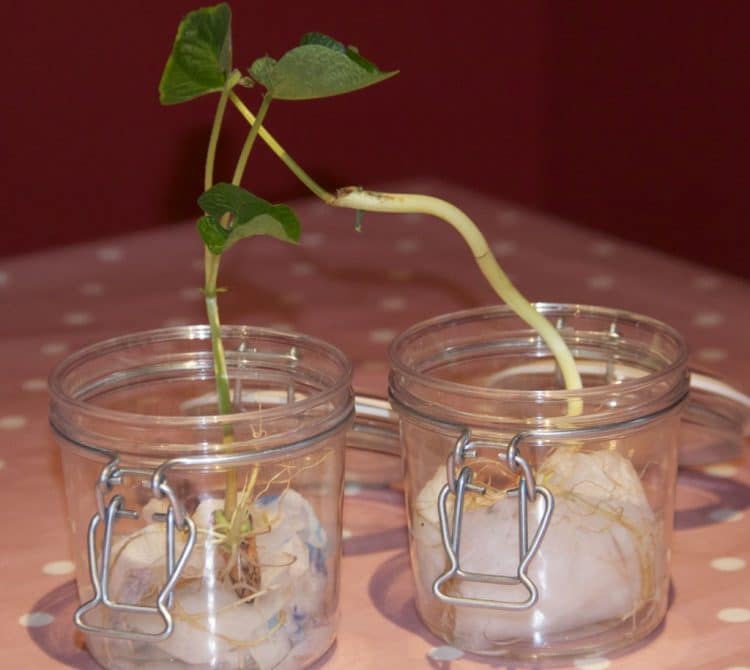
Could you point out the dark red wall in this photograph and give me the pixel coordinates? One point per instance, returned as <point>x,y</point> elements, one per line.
<point>646,123</point>
<point>630,117</point>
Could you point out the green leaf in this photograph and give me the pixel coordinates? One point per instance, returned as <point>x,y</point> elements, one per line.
<point>319,68</point>
<point>246,215</point>
<point>262,71</point>
<point>201,57</point>
<point>213,235</point>
<point>350,52</point>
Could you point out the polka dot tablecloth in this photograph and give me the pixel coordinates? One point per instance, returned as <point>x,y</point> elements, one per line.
<point>357,290</point>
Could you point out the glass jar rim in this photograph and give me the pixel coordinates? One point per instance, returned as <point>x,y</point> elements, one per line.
<point>69,402</point>
<point>400,367</point>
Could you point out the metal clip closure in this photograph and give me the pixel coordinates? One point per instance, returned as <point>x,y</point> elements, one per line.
<point>108,513</point>
<point>527,491</point>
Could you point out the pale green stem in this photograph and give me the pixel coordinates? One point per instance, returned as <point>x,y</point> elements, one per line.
<point>239,169</point>
<point>211,261</point>
<point>359,199</point>
<point>371,201</point>
<point>213,140</point>
<point>220,370</point>
<point>211,268</point>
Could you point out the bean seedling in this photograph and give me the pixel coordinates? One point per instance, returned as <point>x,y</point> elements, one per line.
<point>201,63</point>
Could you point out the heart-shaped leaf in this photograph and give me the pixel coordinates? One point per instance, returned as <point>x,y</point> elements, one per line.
<point>201,56</point>
<point>319,67</point>
<point>248,215</point>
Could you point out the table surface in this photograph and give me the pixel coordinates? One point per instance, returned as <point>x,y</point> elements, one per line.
<point>357,290</point>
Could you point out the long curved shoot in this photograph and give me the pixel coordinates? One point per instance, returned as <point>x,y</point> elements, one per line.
<point>372,201</point>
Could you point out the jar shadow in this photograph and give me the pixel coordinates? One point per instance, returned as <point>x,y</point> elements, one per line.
<point>704,499</point>
<point>391,590</point>
<point>374,520</point>
<point>59,639</point>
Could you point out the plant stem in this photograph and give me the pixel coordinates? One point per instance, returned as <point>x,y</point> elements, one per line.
<point>211,264</point>
<point>211,270</point>
<point>359,199</point>
<point>355,198</point>
<point>213,140</point>
<point>239,169</point>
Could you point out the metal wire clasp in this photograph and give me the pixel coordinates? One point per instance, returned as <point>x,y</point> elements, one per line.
<point>527,491</point>
<point>109,511</point>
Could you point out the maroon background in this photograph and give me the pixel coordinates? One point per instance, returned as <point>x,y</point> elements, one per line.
<point>629,117</point>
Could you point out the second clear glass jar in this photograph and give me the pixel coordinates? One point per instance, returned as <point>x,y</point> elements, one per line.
<point>538,530</point>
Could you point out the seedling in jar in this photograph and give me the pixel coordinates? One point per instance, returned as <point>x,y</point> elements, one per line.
<point>320,66</point>
<point>200,64</point>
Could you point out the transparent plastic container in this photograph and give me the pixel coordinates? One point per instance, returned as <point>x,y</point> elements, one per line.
<point>540,519</point>
<point>171,571</point>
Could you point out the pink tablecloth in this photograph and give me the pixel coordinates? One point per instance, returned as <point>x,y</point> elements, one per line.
<point>357,291</point>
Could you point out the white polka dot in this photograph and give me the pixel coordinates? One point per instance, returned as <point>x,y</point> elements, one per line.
<point>4,279</point>
<point>445,653</point>
<point>604,249</point>
<point>191,293</point>
<point>728,564</point>
<point>711,354</point>
<point>35,384</point>
<point>351,489</point>
<point>596,663</point>
<point>381,335</point>
<point>393,303</point>
<point>734,615</point>
<point>36,619</point>
<point>708,319</point>
<point>77,319</point>
<point>302,269</point>
<point>12,422</point>
<point>509,217</point>
<point>600,282</point>
<point>281,325</point>
<point>408,245</point>
<point>58,568</point>
<point>318,208</point>
<point>504,248</point>
<point>721,470</point>
<point>53,348</point>
<point>109,254</point>
<point>725,514</point>
<point>176,322</point>
<point>373,365</point>
<point>400,275</point>
<point>312,239</point>
<point>707,282</point>
<point>346,534</point>
<point>91,289</point>
<point>292,298</point>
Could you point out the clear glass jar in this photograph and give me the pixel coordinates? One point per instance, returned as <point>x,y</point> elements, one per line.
<point>251,500</point>
<point>540,519</point>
